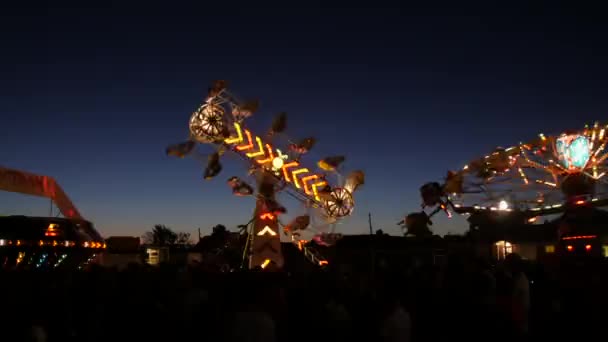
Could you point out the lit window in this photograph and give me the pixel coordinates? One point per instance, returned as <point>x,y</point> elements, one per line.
<point>549,249</point>
<point>605,250</point>
<point>503,248</point>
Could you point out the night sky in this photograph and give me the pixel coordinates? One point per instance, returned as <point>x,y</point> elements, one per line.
<point>92,96</point>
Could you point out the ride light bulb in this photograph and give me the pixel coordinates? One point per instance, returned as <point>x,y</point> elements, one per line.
<point>570,248</point>
<point>588,247</point>
<point>503,205</point>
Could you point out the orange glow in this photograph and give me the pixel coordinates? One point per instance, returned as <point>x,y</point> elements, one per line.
<point>249,145</point>
<point>267,216</point>
<point>323,263</point>
<point>18,242</point>
<point>238,138</point>
<point>588,247</point>
<point>270,156</point>
<point>51,230</point>
<point>305,182</point>
<point>260,151</point>
<point>315,186</point>
<point>54,243</point>
<point>579,237</point>
<point>285,167</point>
<point>570,248</point>
<point>579,202</point>
<point>295,178</point>
<point>41,243</point>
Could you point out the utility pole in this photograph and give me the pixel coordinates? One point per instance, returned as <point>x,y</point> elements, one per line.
<point>372,249</point>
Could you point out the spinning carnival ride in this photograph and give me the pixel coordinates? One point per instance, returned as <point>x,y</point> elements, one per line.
<point>45,243</point>
<point>544,176</point>
<point>220,122</point>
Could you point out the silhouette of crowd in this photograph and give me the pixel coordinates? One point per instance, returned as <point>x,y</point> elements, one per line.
<point>464,298</point>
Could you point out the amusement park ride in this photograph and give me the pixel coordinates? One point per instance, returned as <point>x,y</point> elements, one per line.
<point>548,175</point>
<point>45,242</point>
<point>220,122</point>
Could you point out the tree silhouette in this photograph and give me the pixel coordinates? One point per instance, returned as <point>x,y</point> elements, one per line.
<point>222,250</point>
<point>219,230</point>
<point>417,224</point>
<point>160,235</point>
<point>183,238</point>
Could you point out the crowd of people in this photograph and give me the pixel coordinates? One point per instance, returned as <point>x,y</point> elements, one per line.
<point>463,299</point>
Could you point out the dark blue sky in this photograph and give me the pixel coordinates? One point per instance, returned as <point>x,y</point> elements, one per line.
<point>93,96</point>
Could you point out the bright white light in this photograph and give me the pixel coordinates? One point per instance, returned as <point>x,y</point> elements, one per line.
<point>277,163</point>
<point>503,205</point>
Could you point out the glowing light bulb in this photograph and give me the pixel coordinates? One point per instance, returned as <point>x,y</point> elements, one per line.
<point>277,163</point>
<point>503,205</point>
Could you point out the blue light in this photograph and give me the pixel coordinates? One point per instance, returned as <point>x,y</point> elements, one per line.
<point>573,151</point>
<point>579,152</point>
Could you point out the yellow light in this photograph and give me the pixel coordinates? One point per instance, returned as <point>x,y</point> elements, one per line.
<point>238,138</point>
<point>265,263</point>
<point>260,152</point>
<point>51,230</point>
<point>270,156</point>
<point>549,249</point>
<point>249,145</point>
<point>285,167</point>
<point>295,173</point>
<point>305,182</point>
<point>267,230</point>
<point>277,163</point>
<point>315,191</point>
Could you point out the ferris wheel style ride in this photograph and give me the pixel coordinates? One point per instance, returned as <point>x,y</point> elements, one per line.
<point>220,122</point>
<point>544,176</point>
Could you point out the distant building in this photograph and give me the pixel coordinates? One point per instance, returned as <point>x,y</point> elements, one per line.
<point>121,251</point>
<point>582,231</point>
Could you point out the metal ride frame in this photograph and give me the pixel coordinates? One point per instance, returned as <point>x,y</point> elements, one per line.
<point>211,124</point>
<point>22,182</point>
<point>527,178</point>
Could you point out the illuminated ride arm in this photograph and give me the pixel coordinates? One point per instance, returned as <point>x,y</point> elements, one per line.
<point>27,183</point>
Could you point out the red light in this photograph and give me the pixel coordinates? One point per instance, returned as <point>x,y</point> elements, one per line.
<point>570,248</point>
<point>579,202</point>
<point>267,216</point>
<point>579,237</point>
<point>588,247</point>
